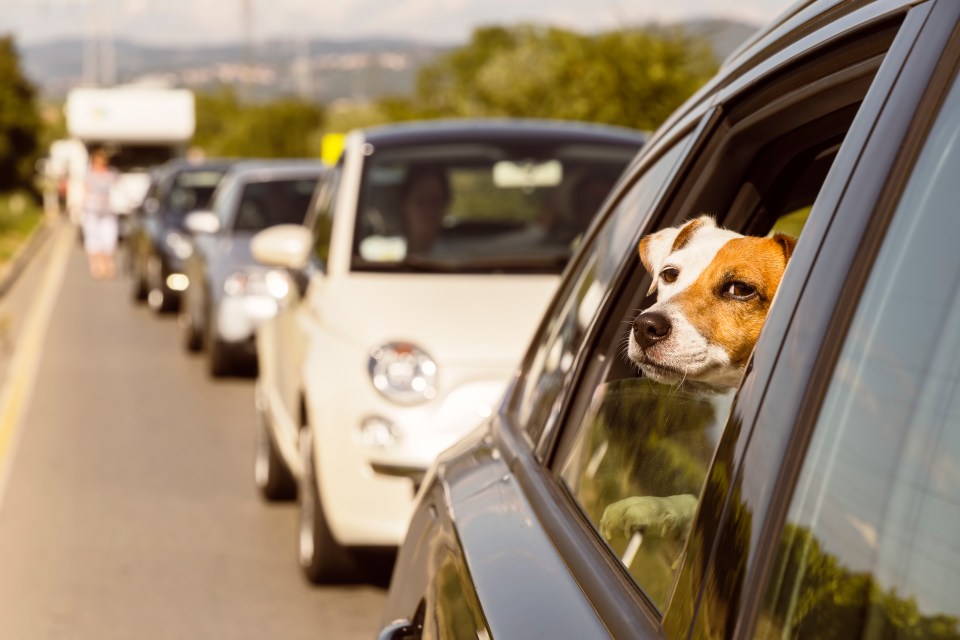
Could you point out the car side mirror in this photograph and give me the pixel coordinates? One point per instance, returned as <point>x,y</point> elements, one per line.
<point>283,245</point>
<point>201,222</point>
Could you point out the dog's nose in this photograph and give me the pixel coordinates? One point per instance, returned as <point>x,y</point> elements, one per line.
<point>650,328</point>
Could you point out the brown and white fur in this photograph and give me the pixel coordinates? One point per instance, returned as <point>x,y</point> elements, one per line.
<point>714,288</point>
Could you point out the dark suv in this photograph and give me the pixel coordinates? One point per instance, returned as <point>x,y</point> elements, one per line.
<point>828,483</point>
<point>157,242</point>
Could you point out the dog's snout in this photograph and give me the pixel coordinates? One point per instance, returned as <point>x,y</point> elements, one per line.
<point>650,328</point>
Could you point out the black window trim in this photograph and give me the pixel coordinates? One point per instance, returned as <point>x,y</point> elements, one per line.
<point>571,533</point>
<point>939,56</point>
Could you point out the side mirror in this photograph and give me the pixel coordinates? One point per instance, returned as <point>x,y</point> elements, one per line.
<point>283,245</point>
<point>201,222</point>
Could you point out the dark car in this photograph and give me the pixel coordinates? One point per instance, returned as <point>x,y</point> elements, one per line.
<point>828,483</point>
<point>158,243</point>
<point>228,293</point>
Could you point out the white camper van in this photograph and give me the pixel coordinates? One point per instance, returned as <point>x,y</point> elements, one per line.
<point>139,126</point>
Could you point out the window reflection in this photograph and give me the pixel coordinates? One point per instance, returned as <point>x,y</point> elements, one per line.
<point>872,548</point>
<point>639,464</point>
<point>561,340</point>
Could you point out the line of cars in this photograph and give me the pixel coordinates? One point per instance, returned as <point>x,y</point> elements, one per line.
<point>384,302</point>
<point>827,488</point>
<point>827,484</point>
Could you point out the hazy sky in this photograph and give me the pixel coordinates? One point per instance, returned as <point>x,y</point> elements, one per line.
<point>216,21</point>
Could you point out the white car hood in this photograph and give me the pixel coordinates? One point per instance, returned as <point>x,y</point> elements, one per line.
<point>471,320</point>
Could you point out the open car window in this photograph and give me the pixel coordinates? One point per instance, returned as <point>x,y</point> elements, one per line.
<point>633,454</point>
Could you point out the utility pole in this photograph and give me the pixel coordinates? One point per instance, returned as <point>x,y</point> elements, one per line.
<point>99,58</point>
<point>246,7</point>
<point>90,54</point>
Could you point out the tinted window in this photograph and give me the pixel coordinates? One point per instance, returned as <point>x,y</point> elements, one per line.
<point>560,340</point>
<point>191,190</point>
<point>635,453</point>
<point>481,207</point>
<point>265,204</point>
<point>871,546</point>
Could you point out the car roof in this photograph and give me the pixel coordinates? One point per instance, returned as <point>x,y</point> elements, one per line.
<point>184,164</point>
<point>504,129</point>
<point>824,19</point>
<point>269,169</point>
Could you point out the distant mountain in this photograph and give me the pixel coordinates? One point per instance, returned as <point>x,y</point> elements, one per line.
<point>320,70</point>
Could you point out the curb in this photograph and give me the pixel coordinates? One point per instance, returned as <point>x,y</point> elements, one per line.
<point>30,246</point>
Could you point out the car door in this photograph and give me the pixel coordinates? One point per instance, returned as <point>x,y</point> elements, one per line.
<point>842,514</point>
<point>287,328</point>
<point>782,138</point>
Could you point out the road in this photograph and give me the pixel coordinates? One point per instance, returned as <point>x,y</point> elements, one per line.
<point>127,507</point>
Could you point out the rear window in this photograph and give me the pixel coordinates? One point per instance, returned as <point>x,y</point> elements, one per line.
<point>481,207</point>
<point>192,190</point>
<point>264,204</point>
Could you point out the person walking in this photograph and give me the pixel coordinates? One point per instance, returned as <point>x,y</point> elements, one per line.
<point>99,222</point>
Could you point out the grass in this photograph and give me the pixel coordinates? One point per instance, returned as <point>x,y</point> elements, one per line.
<point>19,215</point>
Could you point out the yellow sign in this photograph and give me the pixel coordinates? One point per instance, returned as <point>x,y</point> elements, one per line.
<point>331,146</point>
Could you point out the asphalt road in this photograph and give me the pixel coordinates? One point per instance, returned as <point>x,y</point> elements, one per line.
<point>129,509</point>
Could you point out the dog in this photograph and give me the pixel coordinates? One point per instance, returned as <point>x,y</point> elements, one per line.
<point>714,288</point>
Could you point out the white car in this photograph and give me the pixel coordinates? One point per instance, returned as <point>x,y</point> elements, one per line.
<point>434,250</point>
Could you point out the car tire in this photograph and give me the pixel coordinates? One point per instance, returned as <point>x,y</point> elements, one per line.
<point>321,557</point>
<point>157,299</point>
<point>270,473</point>
<point>138,286</point>
<point>191,336</point>
<point>219,361</point>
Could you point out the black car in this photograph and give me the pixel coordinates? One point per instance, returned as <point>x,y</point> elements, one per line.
<point>157,243</point>
<point>828,483</point>
<point>228,294</point>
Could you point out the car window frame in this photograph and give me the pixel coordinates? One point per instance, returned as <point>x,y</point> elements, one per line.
<point>534,477</point>
<point>814,333</point>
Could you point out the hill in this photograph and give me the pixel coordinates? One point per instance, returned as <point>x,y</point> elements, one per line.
<point>320,70</point>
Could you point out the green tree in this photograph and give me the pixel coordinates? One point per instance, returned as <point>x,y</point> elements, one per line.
<point>284,128</point>
<point>631,78</point>
<point>19,121</point>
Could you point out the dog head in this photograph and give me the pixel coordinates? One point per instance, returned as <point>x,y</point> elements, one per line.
<point>714,288</point>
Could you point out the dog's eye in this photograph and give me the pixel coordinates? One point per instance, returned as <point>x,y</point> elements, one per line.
<point>739,290</point>
<point>670,275</point>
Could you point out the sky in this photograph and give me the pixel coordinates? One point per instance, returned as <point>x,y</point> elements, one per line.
<point>173,22</point>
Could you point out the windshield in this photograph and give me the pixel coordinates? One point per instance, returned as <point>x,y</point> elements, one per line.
<point>265,204</point>
<point>191,190</point>
<point>481,207</point>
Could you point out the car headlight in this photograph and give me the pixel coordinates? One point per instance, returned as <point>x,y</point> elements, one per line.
<point>273,283</point>
<point>179,244</point>
<point>403,373</point>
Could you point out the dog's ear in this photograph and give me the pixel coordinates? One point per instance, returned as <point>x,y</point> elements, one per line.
<point>787,244</point>
<point>655,248</point>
